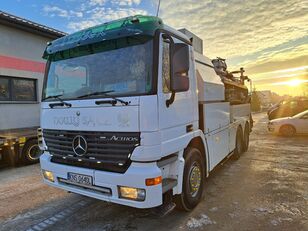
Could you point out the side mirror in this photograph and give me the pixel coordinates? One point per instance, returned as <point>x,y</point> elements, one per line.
<point>179,67</point>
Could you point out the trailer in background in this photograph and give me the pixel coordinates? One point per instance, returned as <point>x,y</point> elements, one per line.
<point>21,80</point>
<point>19,146</point>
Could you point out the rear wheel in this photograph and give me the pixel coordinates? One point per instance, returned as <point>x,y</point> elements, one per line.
<point>246,138</point>
<point>193,180</point>
<point>251,123</point>
<point>31,152</point>
<point>287,130</point>
<point>238,144</point>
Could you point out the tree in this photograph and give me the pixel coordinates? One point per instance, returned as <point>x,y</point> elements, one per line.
<point>305,89</point>
<point>255,101</point>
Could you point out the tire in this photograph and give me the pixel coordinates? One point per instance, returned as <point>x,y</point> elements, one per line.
<point>287,130</point>
<point>238,144</point>
<point>31,152</point>
<point>246,138</point>
<point>193,180</point>
<point>251,123</point>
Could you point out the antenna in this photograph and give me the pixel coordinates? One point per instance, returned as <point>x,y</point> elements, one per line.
<point>158,8</point>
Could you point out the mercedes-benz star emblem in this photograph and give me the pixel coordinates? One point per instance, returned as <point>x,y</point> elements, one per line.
<point>80,145</point>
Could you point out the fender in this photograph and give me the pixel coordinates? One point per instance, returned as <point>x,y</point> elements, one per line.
<point>172,146</point>
<point>147,152</point>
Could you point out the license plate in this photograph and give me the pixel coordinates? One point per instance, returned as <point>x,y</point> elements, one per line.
<point>80,179</point>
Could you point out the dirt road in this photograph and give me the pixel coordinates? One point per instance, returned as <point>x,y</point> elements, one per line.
<point>266,189</point>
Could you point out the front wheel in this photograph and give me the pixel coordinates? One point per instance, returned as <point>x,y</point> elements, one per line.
<point>193,180</point>
<point>287,130</point>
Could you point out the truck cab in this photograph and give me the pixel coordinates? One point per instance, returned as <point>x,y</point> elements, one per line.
<point>131,114</point>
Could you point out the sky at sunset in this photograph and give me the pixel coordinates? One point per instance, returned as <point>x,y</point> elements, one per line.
<point>268,38</point>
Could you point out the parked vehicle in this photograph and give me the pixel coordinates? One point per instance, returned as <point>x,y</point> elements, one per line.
<point>133,115</point>
<point>288,108</point>
<point>289,126</point>
<point>19,146</point>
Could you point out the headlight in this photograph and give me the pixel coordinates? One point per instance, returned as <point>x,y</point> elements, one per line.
<point>129,193</point>
<point>48,175</point>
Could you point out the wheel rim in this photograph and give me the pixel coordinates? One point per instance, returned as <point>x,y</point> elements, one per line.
<point>194,180</point>
<point>34,152</point>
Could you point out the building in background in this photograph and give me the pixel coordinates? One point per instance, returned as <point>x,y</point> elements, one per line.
<point>22,44</point>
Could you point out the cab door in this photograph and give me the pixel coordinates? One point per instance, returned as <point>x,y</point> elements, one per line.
<point>175,118</point>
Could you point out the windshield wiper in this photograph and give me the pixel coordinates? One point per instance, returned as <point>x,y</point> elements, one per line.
<point>58,97</point>
<point>105,93</point>
<point>113,101</point>
<point>95,93</point>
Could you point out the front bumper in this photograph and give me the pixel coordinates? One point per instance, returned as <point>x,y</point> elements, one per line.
<point>270,128</point>
<point>134,177</point>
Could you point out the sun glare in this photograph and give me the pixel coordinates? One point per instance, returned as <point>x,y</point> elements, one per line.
<point>294,82</point>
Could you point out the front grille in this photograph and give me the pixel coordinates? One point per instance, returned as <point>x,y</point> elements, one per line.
<point>109,151</point>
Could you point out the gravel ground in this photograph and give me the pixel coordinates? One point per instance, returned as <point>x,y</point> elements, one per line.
<point>266,189</point>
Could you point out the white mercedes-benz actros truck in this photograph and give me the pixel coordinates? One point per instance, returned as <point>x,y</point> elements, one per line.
<point>134,114</point>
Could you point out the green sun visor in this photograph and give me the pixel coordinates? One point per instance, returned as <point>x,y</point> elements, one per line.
<point>107,36</point>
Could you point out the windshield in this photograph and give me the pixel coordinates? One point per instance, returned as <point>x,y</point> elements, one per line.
<point>124,72</point>
<point>301,114</point>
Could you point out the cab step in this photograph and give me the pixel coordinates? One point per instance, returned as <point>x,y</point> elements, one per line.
<point>168,205</point>
<point>164,209</point>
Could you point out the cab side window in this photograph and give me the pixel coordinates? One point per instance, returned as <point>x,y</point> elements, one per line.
<point>166,66</point>
<point>305,117</point>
